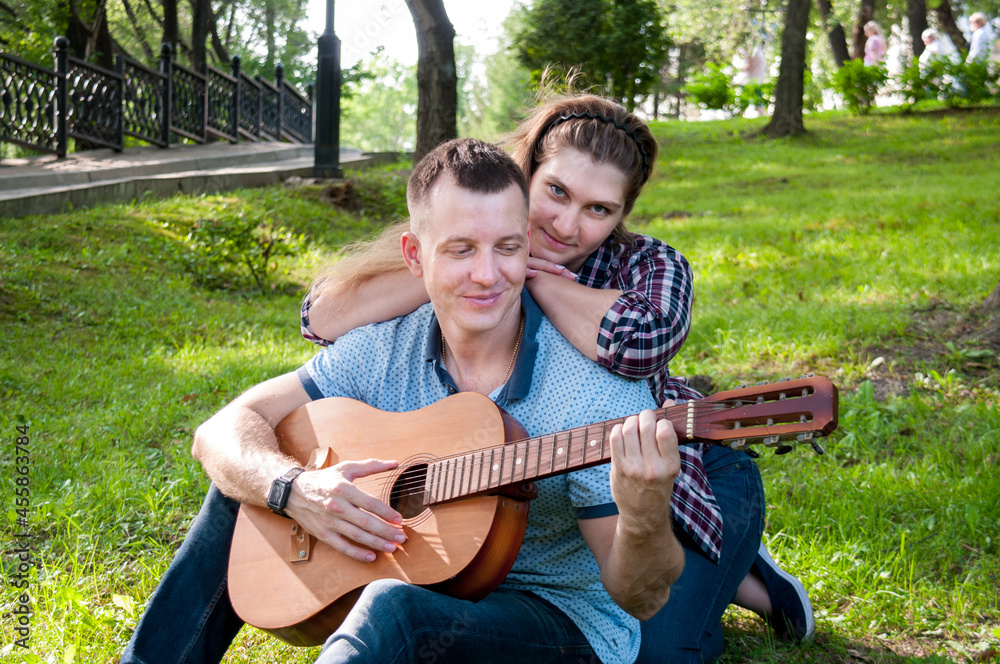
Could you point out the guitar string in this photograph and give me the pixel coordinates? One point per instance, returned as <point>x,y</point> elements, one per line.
<point>565,435</point>
<point>416,485</point>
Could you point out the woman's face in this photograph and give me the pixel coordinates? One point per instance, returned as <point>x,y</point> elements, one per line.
<point>574,205</point>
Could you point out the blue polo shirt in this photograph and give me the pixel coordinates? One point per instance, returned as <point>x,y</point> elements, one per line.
<point>396,366</point>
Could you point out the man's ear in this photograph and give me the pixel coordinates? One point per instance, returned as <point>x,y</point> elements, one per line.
<point>410,245</point>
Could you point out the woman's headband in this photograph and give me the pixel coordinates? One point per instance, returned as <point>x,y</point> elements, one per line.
<point>580,115</point>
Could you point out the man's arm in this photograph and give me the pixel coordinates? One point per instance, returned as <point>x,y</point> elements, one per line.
<point>639,556</point>
<point>239,451</point>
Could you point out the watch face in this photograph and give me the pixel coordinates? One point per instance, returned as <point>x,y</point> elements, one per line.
<point>278,496</point>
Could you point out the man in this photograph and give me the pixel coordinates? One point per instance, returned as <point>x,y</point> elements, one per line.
<point>982,38</point>
<point>599,551</point>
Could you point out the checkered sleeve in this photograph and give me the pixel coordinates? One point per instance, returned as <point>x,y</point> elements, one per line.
<point>307,332</point>
<point>639,336</point>
<point>648,324</point>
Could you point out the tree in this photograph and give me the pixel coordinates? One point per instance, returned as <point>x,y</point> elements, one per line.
<point>201,18</point>
<point>834,32</point>
<point>171,33</point>
<point>990,308</point>
<point>866,12</point>
<point>618,45</point>
<point>378,117</point>
<point>437,77</point>
<point>787,117</point>
<point>916,12</point>
<point>946,19</point>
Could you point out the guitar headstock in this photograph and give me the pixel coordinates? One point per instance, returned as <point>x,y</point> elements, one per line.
<point>777,415</point>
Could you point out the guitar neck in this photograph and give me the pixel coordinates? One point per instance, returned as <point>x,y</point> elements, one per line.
<point>528,460</point>
<point>768,414</point>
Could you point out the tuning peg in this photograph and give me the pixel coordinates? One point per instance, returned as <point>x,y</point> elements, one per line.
<point>808,375</point>
<point>752,453</point>
<point>738,444</point>
<point>763,382</point>
<point>817,448</point>
<point>742,386</point>
<point>784,380</point>
<point>784,449</point>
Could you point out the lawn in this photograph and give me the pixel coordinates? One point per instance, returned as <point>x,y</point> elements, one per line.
<point>861,252</point>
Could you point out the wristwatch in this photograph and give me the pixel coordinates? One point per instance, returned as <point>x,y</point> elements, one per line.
<point>281,488</point>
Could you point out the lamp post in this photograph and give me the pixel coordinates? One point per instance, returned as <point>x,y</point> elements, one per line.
<point>326,162</point>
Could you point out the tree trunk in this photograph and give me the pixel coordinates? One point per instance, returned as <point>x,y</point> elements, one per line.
<point>270,14</point>
<point>201,17</point>
<point>834,32</point>
<point>992,302</point>
<point>788,91</point>
<point>865,13</point>
<point>437,78</point>
<point>170,32</point>
<point>102,45</point>
<point>946,19</point>
<point>916,12</point>
<point>990,308</point>
<point>220,48</point>
<point>147,50</point>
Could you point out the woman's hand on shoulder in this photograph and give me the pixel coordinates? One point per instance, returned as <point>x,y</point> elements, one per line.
<point>536,265</point>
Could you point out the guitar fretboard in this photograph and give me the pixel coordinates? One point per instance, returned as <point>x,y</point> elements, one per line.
<point>522,461</point>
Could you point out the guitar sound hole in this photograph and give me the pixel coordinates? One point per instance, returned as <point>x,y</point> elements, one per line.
<point>407,496</point>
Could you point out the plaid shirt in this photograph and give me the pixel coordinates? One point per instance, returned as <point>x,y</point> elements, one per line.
<point>639,336</point>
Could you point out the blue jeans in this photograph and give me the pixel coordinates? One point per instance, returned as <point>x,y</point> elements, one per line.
<point>689,628</point>
<point>396,623</point>
<point>189,618</point>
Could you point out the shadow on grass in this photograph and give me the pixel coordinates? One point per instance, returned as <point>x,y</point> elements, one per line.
<point>749,641</point>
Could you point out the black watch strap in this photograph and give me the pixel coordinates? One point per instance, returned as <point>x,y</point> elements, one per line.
<point>281,488</point>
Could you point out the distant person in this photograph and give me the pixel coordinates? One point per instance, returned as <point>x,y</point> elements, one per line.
<point>982,38</point>
<point>753,71</point>
<point>875,46</point>
<point>936,47</point>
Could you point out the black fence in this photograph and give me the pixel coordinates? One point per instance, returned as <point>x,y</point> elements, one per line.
<point>40,109</point>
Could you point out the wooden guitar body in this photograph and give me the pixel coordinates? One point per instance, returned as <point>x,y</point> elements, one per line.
<point>300,589</point>
<point>462,486</point>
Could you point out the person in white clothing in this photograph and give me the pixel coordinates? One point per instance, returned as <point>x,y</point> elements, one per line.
<point>982,38</point>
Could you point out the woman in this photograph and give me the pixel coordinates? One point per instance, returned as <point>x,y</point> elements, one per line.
<point>875,45</point>
<point>587,160</point>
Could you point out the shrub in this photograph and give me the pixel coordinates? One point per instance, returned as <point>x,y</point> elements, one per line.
<point>979,81</point>
<point>955,83</point>
<point>858,84</point>
<point>243,241</point>
<point>712,89</point>
<point>754,94</point>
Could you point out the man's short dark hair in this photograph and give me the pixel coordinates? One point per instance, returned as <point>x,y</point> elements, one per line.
<point>474,165</point>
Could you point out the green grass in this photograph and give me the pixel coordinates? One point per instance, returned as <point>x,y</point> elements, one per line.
<point>870,238</point>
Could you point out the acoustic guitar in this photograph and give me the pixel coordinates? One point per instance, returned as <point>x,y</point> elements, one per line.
<point>463,485</point>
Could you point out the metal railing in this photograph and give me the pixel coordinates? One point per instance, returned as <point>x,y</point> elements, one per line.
<point>41,109</point>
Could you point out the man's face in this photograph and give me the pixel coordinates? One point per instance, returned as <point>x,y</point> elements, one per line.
<point>471,249</point>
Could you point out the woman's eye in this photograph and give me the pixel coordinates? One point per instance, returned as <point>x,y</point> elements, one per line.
<point>557,190</point>
<point>600,209</point>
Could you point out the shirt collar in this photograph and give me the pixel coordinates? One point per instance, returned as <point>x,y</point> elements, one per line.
<point>519,383</point>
